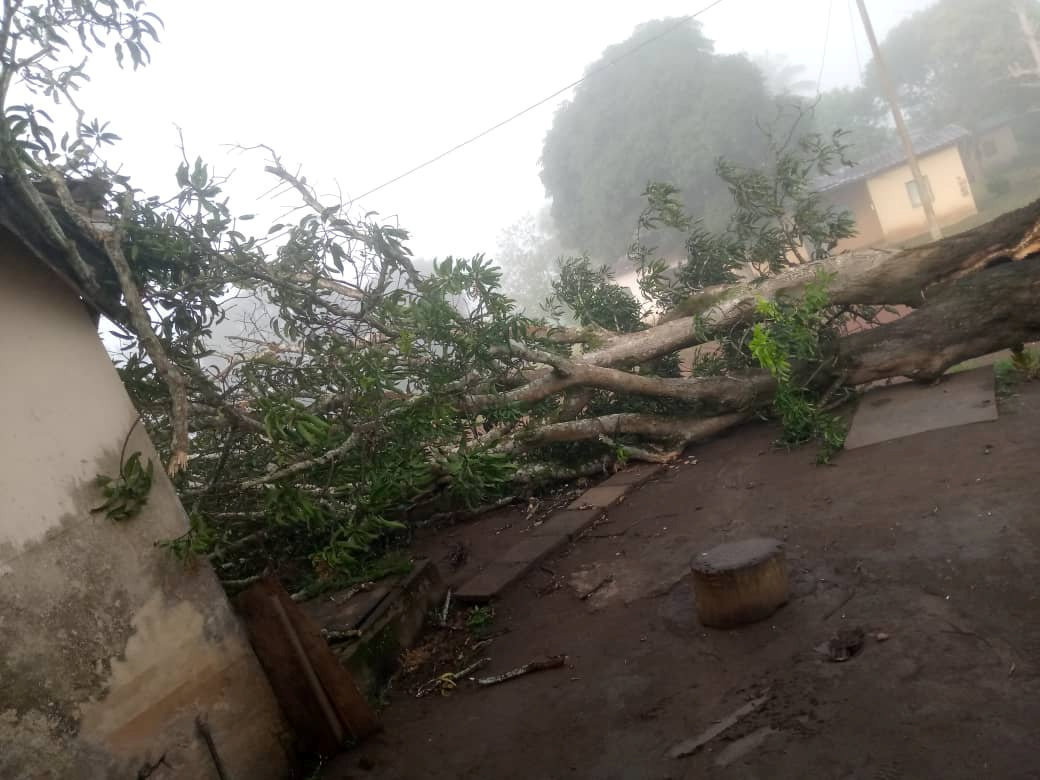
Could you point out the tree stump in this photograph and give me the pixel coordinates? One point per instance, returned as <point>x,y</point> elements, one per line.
<point>740,582</point>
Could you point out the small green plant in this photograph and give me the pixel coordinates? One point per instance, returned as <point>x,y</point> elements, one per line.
<point>479,619</point>
<point>197,541</point>
<point>1026,362</point>
<point>126,494</point>
<point>1022,366</point>
<point>794,333</point>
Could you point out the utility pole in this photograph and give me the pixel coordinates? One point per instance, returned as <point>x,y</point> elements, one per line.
<point>904,135</point>
<point>1030,33</point>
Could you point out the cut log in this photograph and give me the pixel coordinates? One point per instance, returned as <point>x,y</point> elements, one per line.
<point>740,582</point>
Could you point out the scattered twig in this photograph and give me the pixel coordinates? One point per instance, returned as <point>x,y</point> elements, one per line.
<point>202,728</point>
<point>447,606</point>
<point>612,534</point>
<point>605,581</point>
<point>148,769</point>
<point>335,635</point>
<point>552,662</point>
<point>449,681</point>
<point>690,746</point>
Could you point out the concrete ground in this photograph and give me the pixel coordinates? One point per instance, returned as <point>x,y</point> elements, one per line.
<point>931,541</point>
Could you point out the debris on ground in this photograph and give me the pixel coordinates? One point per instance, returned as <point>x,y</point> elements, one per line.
<point>596,588</point>
<point>444,649</point>
<point>552,662</point>
<point>458,554</point>
<point>334,635</point>
<point>740,748</point>
<point>448,681</point>
<point>690,746</point>
<point>844,645</point>
<point>447,607</point>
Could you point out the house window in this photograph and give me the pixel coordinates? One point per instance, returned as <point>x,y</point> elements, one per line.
<point>915,195</point>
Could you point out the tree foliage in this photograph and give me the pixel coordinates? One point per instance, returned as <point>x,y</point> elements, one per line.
<point>777,218</point>
<point>783,78</point>
<point>377,393</point>
<point>860,114</point>
<point>951,62</point>
<point>665,113</point>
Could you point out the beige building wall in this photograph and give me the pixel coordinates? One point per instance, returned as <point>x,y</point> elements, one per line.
<point>110,649</point>
<point>855,198</point>
<point>953,199</point>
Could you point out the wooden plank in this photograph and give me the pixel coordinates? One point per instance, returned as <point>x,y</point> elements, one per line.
<point>351,707</point>
<point>317,694</point>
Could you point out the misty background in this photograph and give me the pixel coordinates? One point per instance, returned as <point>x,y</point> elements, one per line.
<point>357,93</point>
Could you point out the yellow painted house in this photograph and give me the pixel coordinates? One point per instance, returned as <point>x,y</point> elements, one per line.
<point>882,196</point>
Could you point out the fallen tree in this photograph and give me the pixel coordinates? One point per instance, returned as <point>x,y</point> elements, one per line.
<point>369,393</point>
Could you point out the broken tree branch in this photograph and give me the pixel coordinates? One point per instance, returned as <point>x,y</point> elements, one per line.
<point>552,662</point>
<point>677,429</point>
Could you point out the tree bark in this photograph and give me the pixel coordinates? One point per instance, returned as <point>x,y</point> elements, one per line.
<point>871,277</point>
<point>681,430</point>
<point>974,315</point>
<point>973,293</point>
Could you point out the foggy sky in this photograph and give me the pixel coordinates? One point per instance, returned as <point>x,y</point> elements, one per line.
<point>358,92</point>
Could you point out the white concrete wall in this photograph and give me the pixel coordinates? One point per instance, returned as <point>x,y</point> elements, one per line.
<point>950,187</point>
<point>109,648</point>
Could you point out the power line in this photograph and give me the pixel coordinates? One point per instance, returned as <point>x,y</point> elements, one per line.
<point>855,40</point>
<point>541,102</point>
<point>826,41</point>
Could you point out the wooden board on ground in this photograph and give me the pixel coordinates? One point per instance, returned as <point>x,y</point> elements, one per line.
<point>905,409</point>
<point>317,694</point>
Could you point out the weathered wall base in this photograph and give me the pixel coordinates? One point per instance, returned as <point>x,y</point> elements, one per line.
<point>111,651</point>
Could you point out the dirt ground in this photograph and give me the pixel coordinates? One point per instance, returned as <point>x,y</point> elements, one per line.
<point>932,540</point>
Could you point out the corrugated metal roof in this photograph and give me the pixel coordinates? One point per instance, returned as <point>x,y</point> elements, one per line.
<point>924,143</point>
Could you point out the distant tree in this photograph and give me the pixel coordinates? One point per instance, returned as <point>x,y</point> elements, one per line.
<point>952,61</point>
<point>665,113</point>
<point>527,253</point>
<point>783,77</point>
<point>860,113</point>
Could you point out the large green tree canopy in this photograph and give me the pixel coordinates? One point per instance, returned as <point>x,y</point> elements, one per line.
<point>951,62</point>
<point>861,114</point>
<point>664,113</point>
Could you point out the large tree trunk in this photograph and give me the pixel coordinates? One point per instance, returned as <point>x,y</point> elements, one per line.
<point>972,316</point>
<point>971,294</point>
<point>872,277</point>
